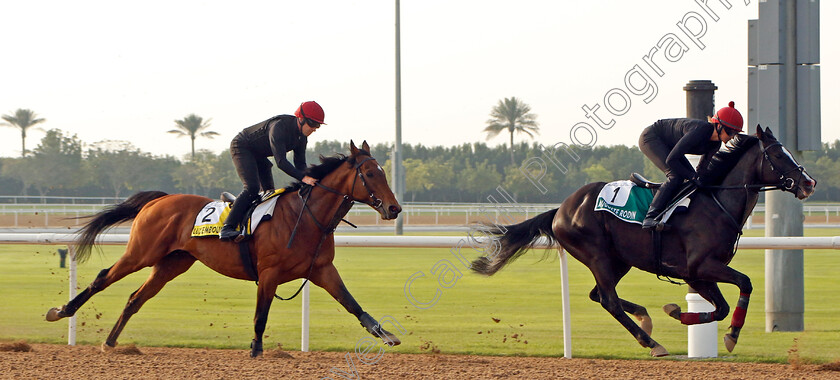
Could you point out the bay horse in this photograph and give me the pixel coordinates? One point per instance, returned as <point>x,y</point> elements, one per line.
<point>160,238</point>
<point>697,248</point>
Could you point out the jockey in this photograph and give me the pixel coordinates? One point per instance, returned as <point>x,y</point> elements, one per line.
<point>667,141</point>
<point>275,137</point>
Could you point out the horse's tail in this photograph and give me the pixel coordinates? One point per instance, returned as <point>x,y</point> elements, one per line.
<point>507,243</point>
<point>108,217</point>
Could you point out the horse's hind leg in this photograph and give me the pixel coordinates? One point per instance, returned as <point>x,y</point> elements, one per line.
<point>164,271</point>
<point>69,309</point>
<point>607,273</point>
<point>638,311</point>
<point>328,278</point>
<point>123,267</point>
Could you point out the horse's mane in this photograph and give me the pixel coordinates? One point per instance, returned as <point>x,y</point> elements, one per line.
<point>327,166</point>
<point>725,159</point>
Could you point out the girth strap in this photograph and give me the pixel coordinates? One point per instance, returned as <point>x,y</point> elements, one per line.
<point>245,255</point>
<point>656,237</point>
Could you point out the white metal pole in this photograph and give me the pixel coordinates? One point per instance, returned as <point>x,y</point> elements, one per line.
<point>567,308</point>
<point>71,329</point>
<point>304,318</point>
<point>702,338</point>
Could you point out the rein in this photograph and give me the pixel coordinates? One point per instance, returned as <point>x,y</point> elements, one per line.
<point>343,208</point>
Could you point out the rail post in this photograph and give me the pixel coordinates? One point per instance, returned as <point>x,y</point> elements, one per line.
<point>700,104</point>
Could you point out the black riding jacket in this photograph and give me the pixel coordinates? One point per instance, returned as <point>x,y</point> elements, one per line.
<point>276,137</point>
<point>686,136</point>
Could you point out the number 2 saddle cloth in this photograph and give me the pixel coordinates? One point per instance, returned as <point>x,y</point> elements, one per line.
<point>211,218</point>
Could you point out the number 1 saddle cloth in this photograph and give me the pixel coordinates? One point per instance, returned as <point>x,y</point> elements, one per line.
<point>630,202</point>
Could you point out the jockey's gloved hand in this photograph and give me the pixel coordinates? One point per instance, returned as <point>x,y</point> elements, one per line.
<point>266,193</point>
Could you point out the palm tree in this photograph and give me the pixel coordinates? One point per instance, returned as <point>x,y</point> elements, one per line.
<point>23,119</point>
<point>192,126</point>
<point>513,115</point>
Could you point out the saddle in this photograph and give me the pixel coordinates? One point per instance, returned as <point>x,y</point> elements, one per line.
<point>687,189</point>
<point>249,223</point>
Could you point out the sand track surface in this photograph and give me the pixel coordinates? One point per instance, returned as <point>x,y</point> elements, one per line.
<point>44,361</point>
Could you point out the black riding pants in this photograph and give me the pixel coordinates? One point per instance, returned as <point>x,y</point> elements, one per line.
<point>657,151</point>
<point>255,173</point>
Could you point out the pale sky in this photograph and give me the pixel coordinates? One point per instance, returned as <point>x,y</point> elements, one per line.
<point>126,70</point>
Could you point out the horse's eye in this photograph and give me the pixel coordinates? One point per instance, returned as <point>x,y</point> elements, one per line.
<point>369,174</point>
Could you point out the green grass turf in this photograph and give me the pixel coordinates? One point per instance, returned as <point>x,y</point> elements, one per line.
<point>204,309</point>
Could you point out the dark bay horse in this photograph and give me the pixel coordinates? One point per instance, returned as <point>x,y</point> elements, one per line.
<point>697,248</point>
<point>160,238</point>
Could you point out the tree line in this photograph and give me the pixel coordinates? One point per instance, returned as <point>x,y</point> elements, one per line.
<point>62,165</point>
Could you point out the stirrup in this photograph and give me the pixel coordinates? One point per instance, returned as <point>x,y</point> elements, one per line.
<point>229,233</point>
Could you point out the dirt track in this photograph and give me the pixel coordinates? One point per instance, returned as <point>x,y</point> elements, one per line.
<point>87,362</point>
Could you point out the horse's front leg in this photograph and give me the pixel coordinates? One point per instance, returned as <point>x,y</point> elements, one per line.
<point>328,278</point>
<point>711,273</point>
<point>711,293</point>
<point>265,294</point>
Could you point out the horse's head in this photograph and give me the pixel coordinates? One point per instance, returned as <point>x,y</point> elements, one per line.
<point>370,185</point>
<point>783,168</point>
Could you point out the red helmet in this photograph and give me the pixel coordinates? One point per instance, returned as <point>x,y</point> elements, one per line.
<point>311,110</point>
<point>729,117</point>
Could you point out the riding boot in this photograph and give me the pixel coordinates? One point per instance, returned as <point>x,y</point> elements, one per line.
<point>237,211</point>
<point>660,201</point>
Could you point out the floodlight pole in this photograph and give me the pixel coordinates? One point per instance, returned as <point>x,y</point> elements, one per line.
<point>784,95</point>
<point>397,173</point>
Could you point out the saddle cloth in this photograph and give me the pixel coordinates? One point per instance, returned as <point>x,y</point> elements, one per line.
<point>630,203</point>
<point>211,218</point>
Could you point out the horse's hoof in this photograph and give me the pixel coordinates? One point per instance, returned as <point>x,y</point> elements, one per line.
<point>673,310</point>
<point>646,324</point>
<point>390,340</point>
<point>729,342</point>
<point>54,314</point>
<point>658,351</point>
<point>256,348</point>
<point>106,348</point>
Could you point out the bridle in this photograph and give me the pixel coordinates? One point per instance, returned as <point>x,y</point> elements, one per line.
<point>786,183</point>
<point>374,201</point>
<point>345,206</point>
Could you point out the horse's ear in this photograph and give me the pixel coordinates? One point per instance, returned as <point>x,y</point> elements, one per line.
<point>353,149</point>
<point>365,146</point>
<point>758,130</point>
<point>768,132</point>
